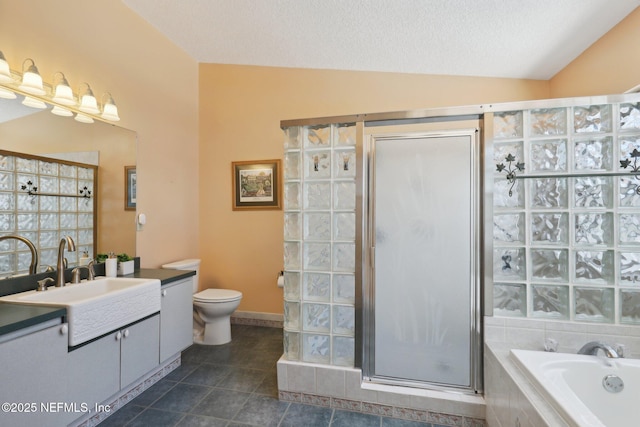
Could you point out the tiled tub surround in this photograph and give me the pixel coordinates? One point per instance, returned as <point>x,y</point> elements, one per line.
<point>565,249</point>
<point>511,399</point>
<point>508,393</point>
<point>342,388</point>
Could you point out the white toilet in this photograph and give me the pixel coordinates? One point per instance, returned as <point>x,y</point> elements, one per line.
<point>212,308</point>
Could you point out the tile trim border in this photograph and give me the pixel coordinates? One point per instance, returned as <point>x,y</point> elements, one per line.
<point>125,396</point>
<point>254,318</point>
<point>381,410</point>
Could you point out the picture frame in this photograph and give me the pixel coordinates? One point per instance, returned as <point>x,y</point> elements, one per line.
<point>256,185</point>
<point>130,188</point>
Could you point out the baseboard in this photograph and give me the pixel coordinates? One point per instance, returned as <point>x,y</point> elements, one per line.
<point>254,318</point>
<point>129,393</point>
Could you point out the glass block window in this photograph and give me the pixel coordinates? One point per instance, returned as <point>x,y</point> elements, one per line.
<point>319,243</point>
<point>46,216</point>
<point>566,244</point>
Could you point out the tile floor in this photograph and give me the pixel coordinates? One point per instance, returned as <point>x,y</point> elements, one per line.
<point>234,385</point>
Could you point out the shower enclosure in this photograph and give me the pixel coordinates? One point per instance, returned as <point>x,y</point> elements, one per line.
<point>382,244</point>
<point>403,229</point>
<point>422,275</point>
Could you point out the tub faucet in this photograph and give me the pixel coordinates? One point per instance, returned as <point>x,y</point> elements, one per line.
<point>591,348</point>
<point>71,246</point>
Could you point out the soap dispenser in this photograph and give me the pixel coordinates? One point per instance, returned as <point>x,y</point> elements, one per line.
<point>84,259</point>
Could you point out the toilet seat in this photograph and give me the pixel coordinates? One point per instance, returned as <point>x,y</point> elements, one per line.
<point>217,295</point>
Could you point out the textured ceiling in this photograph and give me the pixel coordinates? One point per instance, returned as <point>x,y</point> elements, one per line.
<point>495,38</point>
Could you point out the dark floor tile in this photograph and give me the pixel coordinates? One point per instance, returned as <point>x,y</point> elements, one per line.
<point>182,371</point>
<point>201,421</point>
<point>306,415</point>
<point>226,354</point>
<point>242,379</point>
<point>354,419</point>
<point>182,397</point>
<point>259,359</point>
<point>218,354</point>
<point>123,415</point>
<point>221,403</point>
<point>262,411</point>
<point>270,345</point>
<point>269,385</point>
<point>396,422</point>
<point>207,374</point>
<point>234,385</point>
<point>155,418</point>
<point>195,354</point>
<point>154,392</point>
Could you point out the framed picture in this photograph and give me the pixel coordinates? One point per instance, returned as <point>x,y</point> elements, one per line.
<point>256,185</point>
<point>130,188</point>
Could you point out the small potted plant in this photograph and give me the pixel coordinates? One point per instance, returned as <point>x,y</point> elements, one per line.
<point>125,264</point>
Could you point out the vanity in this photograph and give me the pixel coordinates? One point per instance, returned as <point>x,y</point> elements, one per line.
<point>72,355</point>
<point>51,378</point>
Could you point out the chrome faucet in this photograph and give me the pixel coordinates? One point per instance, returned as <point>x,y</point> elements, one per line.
<point>75,273</point>
<point>71,247</point>
<point>33,267</point>
<point>592,348</point>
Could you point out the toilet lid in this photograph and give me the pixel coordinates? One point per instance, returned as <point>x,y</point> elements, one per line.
<point>217,295</point>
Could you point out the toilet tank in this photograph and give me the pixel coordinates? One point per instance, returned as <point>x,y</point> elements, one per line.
<point>192,264</point>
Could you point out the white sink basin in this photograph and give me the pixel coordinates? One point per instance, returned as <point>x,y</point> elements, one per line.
<point>99,306</point>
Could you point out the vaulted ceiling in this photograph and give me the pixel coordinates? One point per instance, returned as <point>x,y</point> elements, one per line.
<point>531,39</point>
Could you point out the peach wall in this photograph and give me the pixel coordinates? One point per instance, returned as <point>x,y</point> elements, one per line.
<point>609,66</point>
<point>155,85</point>
<point>240,112</point>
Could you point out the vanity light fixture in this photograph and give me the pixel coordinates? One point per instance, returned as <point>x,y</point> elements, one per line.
<point>31,79</point>
<point>59,95</point>
<point>63,93</point>
<point>5,71</point>
<point>7,94</point>
<point>88,102</point>
<point>61,111</point>
<point>33,103</point>
<point>109,108</point>
<point>83,118</point>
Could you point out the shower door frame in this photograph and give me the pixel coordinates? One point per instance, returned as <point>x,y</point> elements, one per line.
<point>366,218</point>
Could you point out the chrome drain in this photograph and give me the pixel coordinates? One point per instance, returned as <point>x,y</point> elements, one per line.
<point>613,383</point>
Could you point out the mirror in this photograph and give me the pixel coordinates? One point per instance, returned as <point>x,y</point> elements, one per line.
<point>40,133</point>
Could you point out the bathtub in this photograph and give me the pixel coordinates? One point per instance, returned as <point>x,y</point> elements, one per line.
<point>575,386</point>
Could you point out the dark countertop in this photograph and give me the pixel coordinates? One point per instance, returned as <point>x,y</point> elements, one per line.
<point>17,316</point>
<point>164,275</point>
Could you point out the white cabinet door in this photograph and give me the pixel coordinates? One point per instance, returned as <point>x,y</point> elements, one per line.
<point>95,370</point>
<point>140,349</point>
<point>33,378</point>
<point>176,318</point>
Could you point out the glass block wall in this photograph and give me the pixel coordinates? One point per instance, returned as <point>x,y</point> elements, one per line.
<point>43,219</point>
<point>567,244</point>
<point>319,243</point>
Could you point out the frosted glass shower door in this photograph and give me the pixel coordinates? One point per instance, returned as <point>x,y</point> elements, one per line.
<point>423,234</point>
